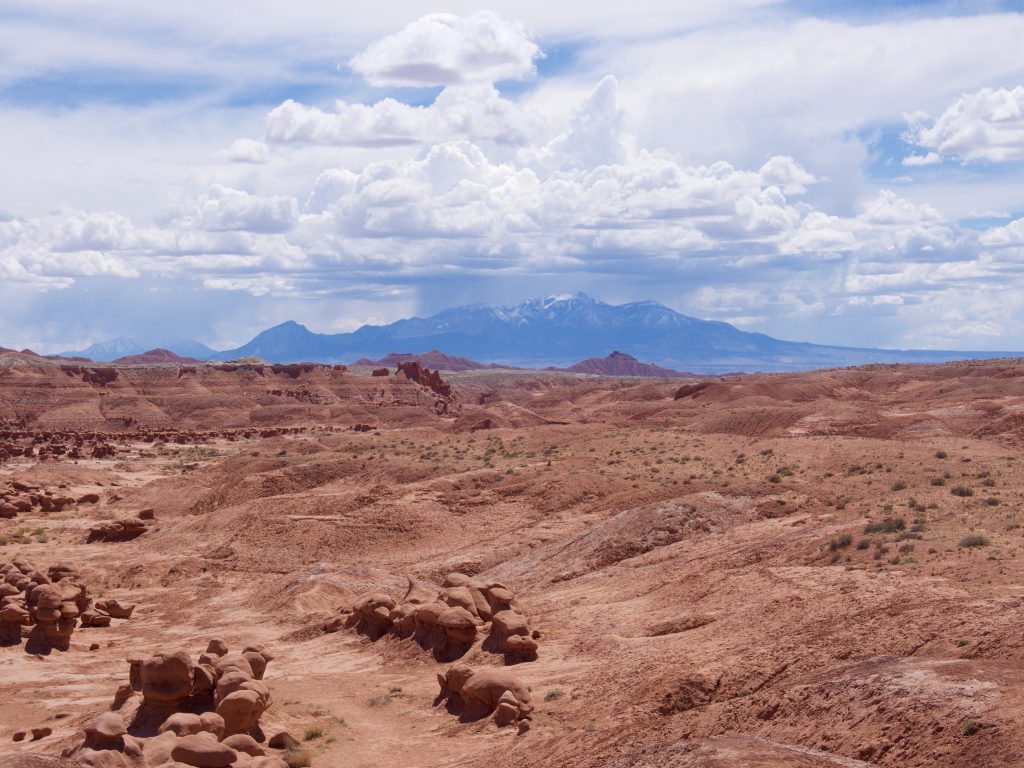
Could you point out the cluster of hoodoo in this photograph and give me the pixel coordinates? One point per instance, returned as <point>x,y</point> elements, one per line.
<point>46,608</point>
<point>450,621</point>
<point>175,711</point>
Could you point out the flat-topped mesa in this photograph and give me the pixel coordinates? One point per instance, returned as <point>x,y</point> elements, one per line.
<point>46,608</point>
<point>447,621</point>
<point>178,711</point>
<point>223,396</point>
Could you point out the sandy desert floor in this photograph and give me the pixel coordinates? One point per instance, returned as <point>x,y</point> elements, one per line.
<point>820,569</point>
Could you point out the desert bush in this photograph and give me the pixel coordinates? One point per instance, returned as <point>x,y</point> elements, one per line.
<point>888,525</point>
<point>974,540</point>
<point>992,501</point>
<point>941,455</point>
<point>970,727</point>
<point>938,481</point>
<point>961,491</point>
<point>313,733</point>
<point>863,543</point>
<point>899,485</point>
<point>554,694</point>
<point>841,541</point>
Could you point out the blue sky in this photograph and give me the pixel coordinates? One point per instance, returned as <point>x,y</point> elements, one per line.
<point>846,173</point>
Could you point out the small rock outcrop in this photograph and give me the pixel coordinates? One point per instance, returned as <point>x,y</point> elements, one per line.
<point>447,621</point>
<point>123,529</point>
<point>476,694</point>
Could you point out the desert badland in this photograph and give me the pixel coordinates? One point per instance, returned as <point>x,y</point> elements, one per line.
<point>265,565</point>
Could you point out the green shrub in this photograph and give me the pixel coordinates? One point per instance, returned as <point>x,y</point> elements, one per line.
<point>899,486</point>
<point>961,491</point>
<point>970,727</point>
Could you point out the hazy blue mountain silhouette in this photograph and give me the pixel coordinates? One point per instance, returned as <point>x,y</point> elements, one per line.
<point>561,330</point>
<point>125,345</point>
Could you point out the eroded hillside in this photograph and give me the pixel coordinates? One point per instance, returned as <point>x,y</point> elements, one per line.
<point>798,570</point>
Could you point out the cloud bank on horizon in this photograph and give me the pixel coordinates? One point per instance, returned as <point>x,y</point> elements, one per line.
<point>847,177</point>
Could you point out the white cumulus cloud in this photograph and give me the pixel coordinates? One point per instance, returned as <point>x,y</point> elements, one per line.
<point>444,49</point>
<point>987,125</point>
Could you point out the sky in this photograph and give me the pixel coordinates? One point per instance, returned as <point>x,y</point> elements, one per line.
<point>841,173</point>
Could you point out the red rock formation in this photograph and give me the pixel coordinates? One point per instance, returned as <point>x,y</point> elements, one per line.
<point>425,377</point>
<point>156,356</point>
<point>621,364</point>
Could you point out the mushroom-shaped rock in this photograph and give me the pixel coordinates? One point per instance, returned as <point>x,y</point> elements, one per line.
<point>482,692</point>
<point>257,662</point>
<point>105,732</point>
<point>510,634</point>
<point>202,751</point>
<point>234,661</point>
<point>166,677</point>
<point>217,647</point>
<point>157,750</point>
<point>458,624</point>
<point>260,649</point>
<point>241,711</point>
<point>499,596</point>
<point>461,597</point>
<point>212,723</point>
<point>457,580</point>
<point>182,724</point>
<point>372,613</point>
<point>13,613</point>
<point>243,742</point>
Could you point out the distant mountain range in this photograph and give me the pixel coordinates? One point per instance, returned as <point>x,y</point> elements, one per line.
<point>557,331</point>
<point>125,346</point>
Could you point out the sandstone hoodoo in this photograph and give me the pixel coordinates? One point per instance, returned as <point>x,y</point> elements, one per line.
<point>448,621</point>
<point>475,694</point>
<point>175,710</point>
<point>122,529</point>
<point>46,608</point>
<point>618,572</point>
